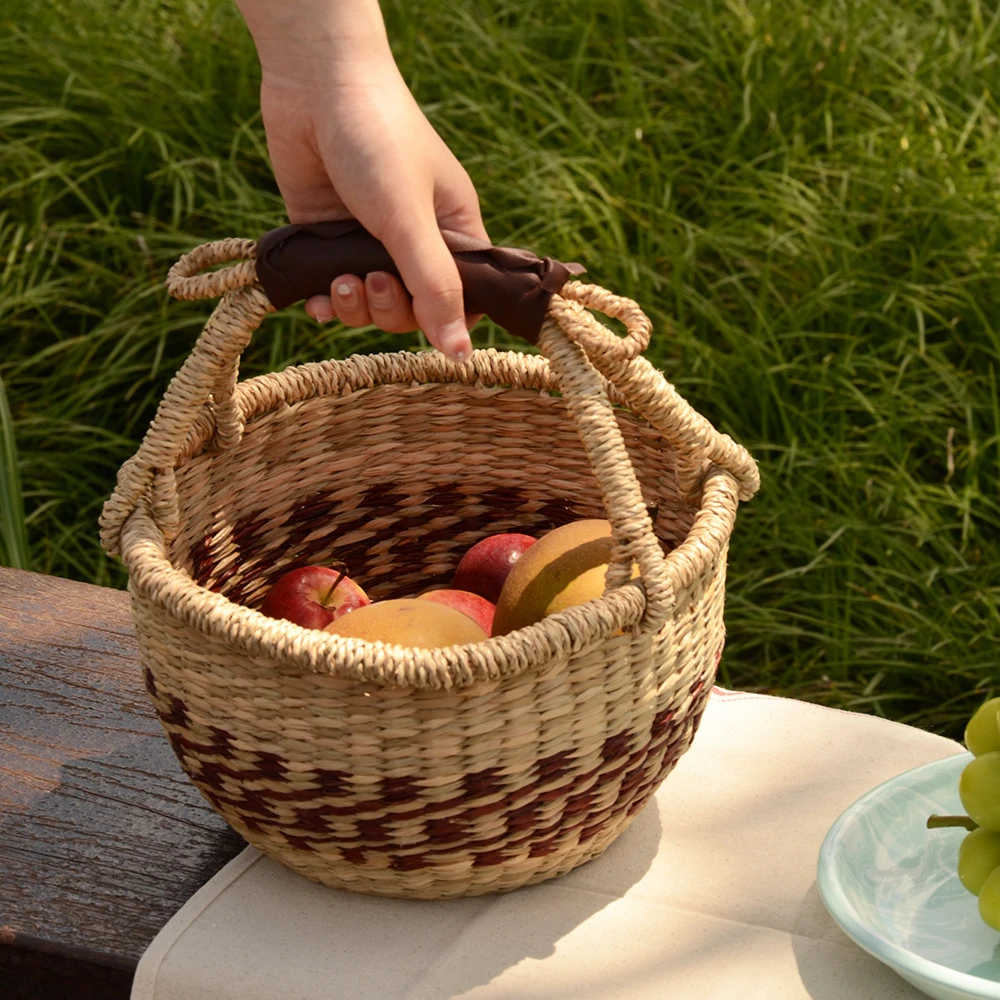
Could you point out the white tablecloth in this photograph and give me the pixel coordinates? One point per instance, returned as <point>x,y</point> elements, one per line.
<point>711,893</point>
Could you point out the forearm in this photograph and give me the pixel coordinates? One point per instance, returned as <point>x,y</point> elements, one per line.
<point>315,39</point>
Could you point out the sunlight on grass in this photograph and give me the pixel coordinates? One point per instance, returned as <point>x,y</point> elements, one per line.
<point>802,195</point>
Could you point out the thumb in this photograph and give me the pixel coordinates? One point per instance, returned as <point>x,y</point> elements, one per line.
<point>431,277</point>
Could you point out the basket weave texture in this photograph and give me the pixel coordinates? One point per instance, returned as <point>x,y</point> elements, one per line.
<point>411,772</point>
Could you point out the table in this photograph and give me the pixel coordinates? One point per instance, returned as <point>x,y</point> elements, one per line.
<point>710,894</point>
<point>102,836</point>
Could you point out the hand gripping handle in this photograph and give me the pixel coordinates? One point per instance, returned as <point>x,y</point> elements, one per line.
<point>510,285</point>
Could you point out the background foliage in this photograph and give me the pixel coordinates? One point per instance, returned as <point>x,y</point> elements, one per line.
<point>803,195</point>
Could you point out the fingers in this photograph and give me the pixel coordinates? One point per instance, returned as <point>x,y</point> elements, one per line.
<point>320,308</point>
<point>430,273</point>
<point>437,306</point>
<point>380,300</point>
<point>349,301</point>
<point>388,302</point>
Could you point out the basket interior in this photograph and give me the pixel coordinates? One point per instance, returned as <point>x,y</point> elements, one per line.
<point>397,481</point>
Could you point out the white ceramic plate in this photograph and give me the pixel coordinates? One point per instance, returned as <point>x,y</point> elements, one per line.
<point>891,884</point>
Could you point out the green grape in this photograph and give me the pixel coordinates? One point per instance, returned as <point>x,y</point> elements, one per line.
<point>979,789</point>
<point>989,900</point>
<point>982,734</point>
<point>978,855</point>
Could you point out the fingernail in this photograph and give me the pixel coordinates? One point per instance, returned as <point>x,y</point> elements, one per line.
<point>455,342</point>
<point>322,313</point>
<point>380,291</point>
<point>346,293</point>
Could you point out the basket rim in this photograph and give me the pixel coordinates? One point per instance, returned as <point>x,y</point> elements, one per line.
<point>557,636</point>
<point>152,574</point>
<point>259,395</point>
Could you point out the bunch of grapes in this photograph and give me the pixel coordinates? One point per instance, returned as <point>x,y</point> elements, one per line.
<point>979,790</point>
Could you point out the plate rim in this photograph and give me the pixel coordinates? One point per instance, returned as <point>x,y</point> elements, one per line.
<point>845,916</point>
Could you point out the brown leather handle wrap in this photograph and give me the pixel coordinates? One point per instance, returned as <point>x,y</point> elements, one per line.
<point>509,285</point>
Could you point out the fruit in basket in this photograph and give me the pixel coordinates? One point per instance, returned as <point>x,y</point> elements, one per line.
<point>982,734</point>
<point>978,855</point>
<point>314,596</point>
<point>565,567</point>
<point>409,621</point>
<point>477,608</point>
<point>485,567</point>
<point>979,790</point>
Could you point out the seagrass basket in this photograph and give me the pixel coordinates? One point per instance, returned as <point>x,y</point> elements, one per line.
<point>411,772</point>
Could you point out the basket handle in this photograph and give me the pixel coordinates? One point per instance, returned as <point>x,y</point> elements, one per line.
<point>514,287</point>
<point>579,350</point>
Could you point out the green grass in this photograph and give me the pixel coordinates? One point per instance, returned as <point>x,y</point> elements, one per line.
<point>803,196</point>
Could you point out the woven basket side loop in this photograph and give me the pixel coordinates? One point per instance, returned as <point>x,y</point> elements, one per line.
<point>212,366</point>
<point>649,394</point>
<point>602,345</point>
<point>708,539</point>
<point>185,280</point>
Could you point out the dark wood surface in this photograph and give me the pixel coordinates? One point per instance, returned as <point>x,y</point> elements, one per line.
<point>102,836</point>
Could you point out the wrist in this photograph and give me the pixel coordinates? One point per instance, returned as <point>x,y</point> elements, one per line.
<point>317,40</point>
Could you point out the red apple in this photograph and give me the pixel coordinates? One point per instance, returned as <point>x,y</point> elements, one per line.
<point>485,566</point>
<point>313,596</point>
<point>477,608</point>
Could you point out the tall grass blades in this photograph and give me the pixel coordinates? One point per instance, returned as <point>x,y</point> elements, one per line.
<point>13,533</point>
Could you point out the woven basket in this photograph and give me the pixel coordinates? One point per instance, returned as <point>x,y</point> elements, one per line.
<point>411,772</point>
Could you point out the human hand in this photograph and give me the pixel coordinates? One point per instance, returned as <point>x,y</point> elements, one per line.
<point>347,139</point>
